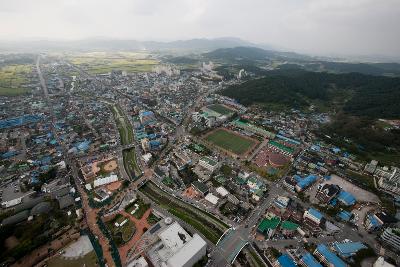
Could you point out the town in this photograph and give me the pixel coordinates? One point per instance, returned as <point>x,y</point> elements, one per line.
<point>147,164</point>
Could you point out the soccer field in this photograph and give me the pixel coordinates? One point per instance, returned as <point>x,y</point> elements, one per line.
<point>221,109</point>
<point>230,141</point>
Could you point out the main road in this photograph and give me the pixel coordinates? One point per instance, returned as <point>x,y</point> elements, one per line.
<point>90,214</point>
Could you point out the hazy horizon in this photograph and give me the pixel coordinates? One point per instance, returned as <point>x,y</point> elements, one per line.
<point>340,27</point>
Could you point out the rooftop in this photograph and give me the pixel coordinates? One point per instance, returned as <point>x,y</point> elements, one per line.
<point>347,198</point>
<point>330,256</point>
<point>286,261</point>
<point>288,225</point>
<point>209,161</point>
<point>310,261</point>
<point>349,248</point>
<point>268,224</point>
<point>315,213</point>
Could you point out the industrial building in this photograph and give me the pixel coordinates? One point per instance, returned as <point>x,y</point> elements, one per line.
<point>346,198</point>
<point>285,261</point>
<point>304,183</point>
<point>330,259</point>
<point>348,249</point>
<point>309,261</point>
<point>177,248</point>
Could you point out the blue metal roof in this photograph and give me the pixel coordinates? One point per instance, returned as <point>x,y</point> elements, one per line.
<point>348,249</point>
<point>310,261</point>
<point>315,213</point>
<point>286,261</point>
<point>373,220</point>
<point>346,198</point>
<point>344,215</point>
<point>306,181</point>
<point>147,113</point>
<point>330,257</point>
<point>18,121</point>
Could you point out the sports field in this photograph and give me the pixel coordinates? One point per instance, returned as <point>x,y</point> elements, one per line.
<point>230,141</point>
<point>221,109</point>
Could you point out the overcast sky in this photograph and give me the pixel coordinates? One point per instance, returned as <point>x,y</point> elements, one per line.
<point>358,27</point>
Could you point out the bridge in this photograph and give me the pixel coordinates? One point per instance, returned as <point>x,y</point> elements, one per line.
<point>230,244</point>
<point>128,146</point>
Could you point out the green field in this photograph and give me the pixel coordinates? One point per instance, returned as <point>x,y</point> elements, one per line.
<point>12,79</point>
<point>103,62</point>
<point>89,260</point>
<point>121,234</point>
<point>221,109</point>
<point>230,141</point>
<point>13,91</point>
<point>211,227</point>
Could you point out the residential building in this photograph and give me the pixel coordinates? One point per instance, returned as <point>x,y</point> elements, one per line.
<point>267,227</point>
<point>326,192</point>
<point>200,187</point>
<point>380,262</point>
<point>374,222</point>
<point>371,167</point>
<point>281,202</point>
<point>212,199</point>
<point>389,179</point>
<point>313,217</point>
<point>106,180</point>
<point>208,164</point>
<point>391,237</point>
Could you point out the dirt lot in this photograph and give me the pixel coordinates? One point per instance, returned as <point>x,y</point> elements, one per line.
<point>360,194</point>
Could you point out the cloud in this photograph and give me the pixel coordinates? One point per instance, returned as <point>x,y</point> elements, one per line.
<point>312,26</point>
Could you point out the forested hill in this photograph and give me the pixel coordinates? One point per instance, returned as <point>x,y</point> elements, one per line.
<point>357,94</point>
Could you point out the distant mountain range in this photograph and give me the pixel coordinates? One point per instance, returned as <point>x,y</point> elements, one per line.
<point>228,49</point>
<point>256,56</point>
<point>99,44</point>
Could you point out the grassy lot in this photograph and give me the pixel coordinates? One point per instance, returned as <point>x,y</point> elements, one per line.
<point>121,234</point>
<point>254,258</point>
<point>230,141</point>
<point>103,62</point>
<point>143,207</point>
<point>221,109</point>
<point>12,79</point>
<point>152,219</point>
<point>89,260</point>
<point>211,227</point>
<point>364,181</point>
<point>13,91</point>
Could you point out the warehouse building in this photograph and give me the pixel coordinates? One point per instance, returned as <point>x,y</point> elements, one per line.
<point>329,258</point>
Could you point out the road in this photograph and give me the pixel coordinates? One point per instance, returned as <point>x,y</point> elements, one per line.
<point>244,231</point>
<point>90,214</point>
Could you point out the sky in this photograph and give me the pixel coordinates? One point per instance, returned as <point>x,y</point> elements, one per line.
<point>324,27</point>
